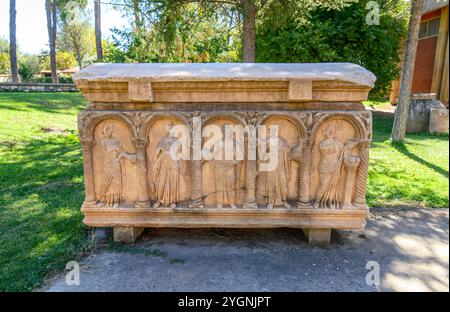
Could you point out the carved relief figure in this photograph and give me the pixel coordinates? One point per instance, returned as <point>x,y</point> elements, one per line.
<point>276,181</point>
<point>113,167</point>
<point>226,178</point>
<point>166,173</point>
<point>331,170</point>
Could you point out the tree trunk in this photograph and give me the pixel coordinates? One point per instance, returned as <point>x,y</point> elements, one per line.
<point>137,18</point>
<point>98,30</point>
<point>249,31</point>
<point>77,51</point>
<point>401,113</point>
<point>79,59</point>
<point>50,9</point>
<point>12,41</point>
<point>137,29</point>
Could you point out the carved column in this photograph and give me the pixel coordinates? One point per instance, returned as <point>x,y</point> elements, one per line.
<point>304,200</point>
<point>196,165</point>
<point>250,184</point>
<point>361,179</point>
<point>351,164</point>
<point>196,182</point>
<point>88,166</point>
<point>251,166</point>
<point>143,200</point>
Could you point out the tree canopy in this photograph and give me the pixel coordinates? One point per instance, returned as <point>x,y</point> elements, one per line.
<point>223,31</point>
<point>336,35</point>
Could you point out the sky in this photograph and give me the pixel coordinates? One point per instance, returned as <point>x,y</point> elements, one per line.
<point>32,36</point>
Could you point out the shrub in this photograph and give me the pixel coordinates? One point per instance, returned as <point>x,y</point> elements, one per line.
<point>338,36</point>
<point>28,67</point>
<point>4,63</point>
<point>62,79</point>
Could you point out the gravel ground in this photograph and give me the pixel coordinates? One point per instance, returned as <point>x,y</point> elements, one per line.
<point>410,245</point>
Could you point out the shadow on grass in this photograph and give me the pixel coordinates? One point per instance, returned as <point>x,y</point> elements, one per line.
<point>49,102</point>
<point>402,148</point>
<point>41,191</point>
<point>393,175</point>
<point>382,133</point>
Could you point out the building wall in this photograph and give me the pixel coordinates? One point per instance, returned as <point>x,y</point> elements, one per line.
<point>423,69</point>
<point>425,55</point>
<point>431,66</point>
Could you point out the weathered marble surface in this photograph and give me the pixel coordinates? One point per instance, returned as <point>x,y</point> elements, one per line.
<point>324,137</point>
<point>229,71</point>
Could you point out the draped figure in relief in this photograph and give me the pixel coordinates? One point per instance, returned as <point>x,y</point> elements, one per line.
<point>113,167</point>
<point>276,181</point>
<point>331,169</point>
<point>166,172</point>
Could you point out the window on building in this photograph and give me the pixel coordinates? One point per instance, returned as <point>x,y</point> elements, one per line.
<point>429,28</point>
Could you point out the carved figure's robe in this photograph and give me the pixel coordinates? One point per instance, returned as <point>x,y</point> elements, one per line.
<point>112,172</point>
<point>330,171</point>
<point>276,182</point>
<point>167,173</point>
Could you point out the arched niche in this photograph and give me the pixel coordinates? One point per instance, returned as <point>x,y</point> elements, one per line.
<point>346,130</point>
<point>113,173</point>
<point>157,132</point>
<point>290,131</point>
<point>224,178</point>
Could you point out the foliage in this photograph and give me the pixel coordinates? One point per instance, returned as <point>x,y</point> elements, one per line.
<point>326,35</point>
<point>61,79</point>
<point>29,66</point>
<point>4,63</point>
<point>76,35</point>
<point>191,30</point>
<point>287,31</point>
<point>175,32</point>
<point>4,45</point>
<point>64,60</point>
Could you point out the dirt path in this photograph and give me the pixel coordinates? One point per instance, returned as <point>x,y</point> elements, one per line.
<point>410,246</point>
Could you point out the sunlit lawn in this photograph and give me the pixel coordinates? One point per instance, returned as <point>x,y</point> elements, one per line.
<point>41,187</point>
<point>413,173</point>
<point>41,182</point>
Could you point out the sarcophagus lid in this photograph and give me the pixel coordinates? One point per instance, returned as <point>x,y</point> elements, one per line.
<point>224,82</point>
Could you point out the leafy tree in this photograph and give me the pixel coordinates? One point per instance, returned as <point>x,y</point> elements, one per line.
<point>4,57</point>
<point>4,45</point>
<point>4,63</point>
<point>76,35</point>
<point>29,66</point>
<point>163,22</point>
<point>188,33</point>
<point>171,28</point>
<point>328,35</point>
<point>64,60</point>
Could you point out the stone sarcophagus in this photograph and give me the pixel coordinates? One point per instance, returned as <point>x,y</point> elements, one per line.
<point>225,145</point>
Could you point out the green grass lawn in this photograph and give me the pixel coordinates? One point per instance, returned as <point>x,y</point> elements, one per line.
<point>41,187</point>
<point>41,182</point>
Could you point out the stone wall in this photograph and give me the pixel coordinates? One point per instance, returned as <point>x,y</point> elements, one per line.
<point>38,87</point>
<point>419,111</point>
